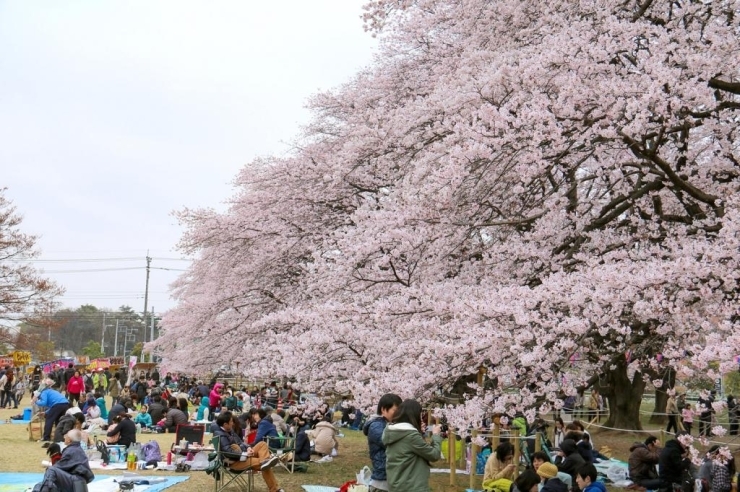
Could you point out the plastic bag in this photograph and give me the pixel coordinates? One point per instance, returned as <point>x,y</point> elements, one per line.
<point>364,477</point>
<point>200,461</point>
<point>617,473</point>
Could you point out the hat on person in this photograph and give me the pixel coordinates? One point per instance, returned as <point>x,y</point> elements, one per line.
<point>547,470</point>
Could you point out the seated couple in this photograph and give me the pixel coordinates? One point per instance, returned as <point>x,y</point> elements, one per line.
<point>258,457</point>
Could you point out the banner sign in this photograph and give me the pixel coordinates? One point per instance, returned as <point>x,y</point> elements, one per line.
<point>21,358</point>
<point>98,364</point>
<point>6,361</point>
<point>117,361</point>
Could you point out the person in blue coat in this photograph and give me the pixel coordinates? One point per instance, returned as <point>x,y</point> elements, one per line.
<point>55,405</point>
<point>265,427</point>
<point>586,479</point>
<point>373,429</point>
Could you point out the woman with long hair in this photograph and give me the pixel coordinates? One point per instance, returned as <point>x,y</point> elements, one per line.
<point>407,453</point>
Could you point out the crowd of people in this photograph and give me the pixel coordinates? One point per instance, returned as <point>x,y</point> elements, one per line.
<point>400,446</point>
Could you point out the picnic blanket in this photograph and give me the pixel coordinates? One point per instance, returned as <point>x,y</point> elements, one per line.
<point>19,482</point>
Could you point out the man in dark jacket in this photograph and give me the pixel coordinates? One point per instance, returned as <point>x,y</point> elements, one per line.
<point>71,468</point>
<point>241,456</point>
<point>673,462</point>
<point>156,409</point>
<point>571,460</point>
<point>642,461</point>
<point>68,374</point>
<point>373,429</point>
<point>117,409</point>
<point>66,424</point>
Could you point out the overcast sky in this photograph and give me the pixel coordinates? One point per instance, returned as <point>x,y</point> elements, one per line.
<point>114,114</point>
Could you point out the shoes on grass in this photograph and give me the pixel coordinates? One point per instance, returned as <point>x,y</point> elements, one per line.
<point>269,463</point>
<point>46,445</point>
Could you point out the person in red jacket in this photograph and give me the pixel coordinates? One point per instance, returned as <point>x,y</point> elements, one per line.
<point>75,386</point>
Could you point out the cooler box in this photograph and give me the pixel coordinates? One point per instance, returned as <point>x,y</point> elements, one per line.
<point>117,453</point>
<point>27,413</point>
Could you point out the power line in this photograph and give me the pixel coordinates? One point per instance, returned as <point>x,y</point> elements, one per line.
<point>92,270</point>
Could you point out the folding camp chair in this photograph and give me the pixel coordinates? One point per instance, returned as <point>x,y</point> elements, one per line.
<point>284,448</point>
<point>222,472</point>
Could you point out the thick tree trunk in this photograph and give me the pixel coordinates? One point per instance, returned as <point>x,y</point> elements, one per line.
<point>624,397</point>
<point>661,397</point>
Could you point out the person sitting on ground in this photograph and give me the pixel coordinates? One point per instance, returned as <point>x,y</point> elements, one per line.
<point>722,474</point>
<point>124,432</point>
<point>325,437</point>
<point>258,457</point>
<point>642,461</point>
<point>302,442</point>
<point>66,424</point>
<point>586,479</point>
<point>550,480</point>
<point>156,409</point>
<point>71,468</point>
<point>569,460</point>
<point>539,458</point>
<point>174,416</point>
<point>100,400</point>
<point>528,481</point>
<point>143,418</point>
<point>707,465</point>
<point>673,462</point>
<point>500,463</point>
<point>117,409</point>
<point>585,449</point>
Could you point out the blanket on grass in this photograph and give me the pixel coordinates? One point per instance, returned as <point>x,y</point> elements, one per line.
<point>19,482</point>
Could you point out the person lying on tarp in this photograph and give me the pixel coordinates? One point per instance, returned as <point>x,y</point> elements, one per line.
<point>72,472</point>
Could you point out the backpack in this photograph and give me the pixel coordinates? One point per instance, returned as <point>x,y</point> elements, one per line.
<point>104,454</point>
<point>8,382</point>
<point>151,451</point>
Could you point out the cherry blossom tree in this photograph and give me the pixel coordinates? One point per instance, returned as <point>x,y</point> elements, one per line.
<point>547,190</point>
<point>25,294</point>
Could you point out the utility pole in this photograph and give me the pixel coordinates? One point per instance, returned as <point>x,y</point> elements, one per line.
<point>151,354</point>
<point>152,337</point>
<point>146,295</point>
<point>102,339</point>
<point>115,344</point>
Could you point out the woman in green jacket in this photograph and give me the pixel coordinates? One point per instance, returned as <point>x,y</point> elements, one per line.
<point>407,453</point>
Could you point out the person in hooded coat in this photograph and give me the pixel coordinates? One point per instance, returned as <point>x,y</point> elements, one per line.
<point>673,462</point>
<point>407,453</point>
<point>571,459</point>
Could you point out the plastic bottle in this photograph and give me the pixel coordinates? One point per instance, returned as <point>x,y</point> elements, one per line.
<point>131,460</point>
<point>169,457</point>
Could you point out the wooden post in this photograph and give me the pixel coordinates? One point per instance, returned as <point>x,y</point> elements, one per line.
<point>538,442</point>
<point>517,451</point>
<point>473,458</point>
<point>451,452</point>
